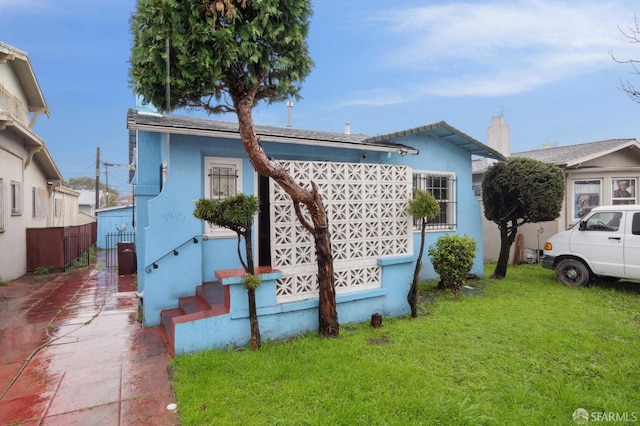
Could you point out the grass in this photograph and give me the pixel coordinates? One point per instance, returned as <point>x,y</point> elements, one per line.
<point>527,350</point>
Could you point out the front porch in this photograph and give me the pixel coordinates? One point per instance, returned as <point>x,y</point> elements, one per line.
<point>217,316</point>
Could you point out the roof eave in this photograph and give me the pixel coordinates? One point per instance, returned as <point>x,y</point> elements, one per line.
<point>132,124</point>
<point>24,71</point>
<point>473,146</point>
<point>33,143</point>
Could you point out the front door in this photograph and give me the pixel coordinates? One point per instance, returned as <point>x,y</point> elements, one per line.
<point>264,223</point>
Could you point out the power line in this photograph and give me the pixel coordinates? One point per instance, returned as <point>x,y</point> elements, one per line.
<point>106,165</point>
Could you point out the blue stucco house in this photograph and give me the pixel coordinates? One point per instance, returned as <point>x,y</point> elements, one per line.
<point>188,274</point>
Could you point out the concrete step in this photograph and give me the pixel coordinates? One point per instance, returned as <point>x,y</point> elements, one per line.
<point>211,299</point>
<point>193,304</point>
<point>168,325</point>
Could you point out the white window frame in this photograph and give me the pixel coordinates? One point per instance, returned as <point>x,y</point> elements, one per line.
<point>447,218</point>
<point>16,198</point>
<point>220,162</point>
<point>587,187</point>
<point>631,188</point>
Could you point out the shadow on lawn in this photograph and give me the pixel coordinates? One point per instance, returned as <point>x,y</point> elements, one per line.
<point>618,285</point>
<point>430,291</point>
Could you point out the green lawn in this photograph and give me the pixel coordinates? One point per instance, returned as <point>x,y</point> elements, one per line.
<point>525,350</point>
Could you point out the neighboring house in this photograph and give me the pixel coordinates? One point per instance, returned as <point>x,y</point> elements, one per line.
<point>366,183</point>
<point>87,201</point>
<point>595,173</point>
<point>31,195</point>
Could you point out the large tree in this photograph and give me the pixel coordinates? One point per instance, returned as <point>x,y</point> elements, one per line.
<point>518,191</point>
<point>226,56</point>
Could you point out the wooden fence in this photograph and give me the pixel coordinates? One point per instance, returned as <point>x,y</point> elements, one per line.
<point>60,248</point>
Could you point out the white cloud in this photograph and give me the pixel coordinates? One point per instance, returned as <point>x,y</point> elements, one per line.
<point>374,97</point>
<point>497,48</point>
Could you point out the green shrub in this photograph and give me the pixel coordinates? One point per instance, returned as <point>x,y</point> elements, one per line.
<point>251,281</point>
<point>452,257</point>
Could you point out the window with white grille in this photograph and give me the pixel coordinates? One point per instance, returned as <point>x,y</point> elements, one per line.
<point>442,187</point>
<point>39,202</point>
<point>222,178</point>
<point>16,198</point>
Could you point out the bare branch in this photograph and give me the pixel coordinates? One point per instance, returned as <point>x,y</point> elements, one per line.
<point>633,35</point>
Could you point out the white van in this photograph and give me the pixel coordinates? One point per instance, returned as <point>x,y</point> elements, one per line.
<point>606,243</point>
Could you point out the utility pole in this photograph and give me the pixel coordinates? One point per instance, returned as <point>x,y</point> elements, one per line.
<point>106,171</point>
<point>97,178</point>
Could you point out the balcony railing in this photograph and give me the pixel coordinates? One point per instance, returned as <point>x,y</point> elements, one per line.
<point>12,106</point>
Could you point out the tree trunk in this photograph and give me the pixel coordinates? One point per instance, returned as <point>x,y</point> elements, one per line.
<point>253,319</point>
<point>328,316</point>
<point>507,236</point>
<point>412,297</point>
<point>251,293</point>
<point>327,313</point>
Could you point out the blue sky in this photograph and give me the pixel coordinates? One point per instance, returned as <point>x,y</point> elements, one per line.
<point>381,66</point>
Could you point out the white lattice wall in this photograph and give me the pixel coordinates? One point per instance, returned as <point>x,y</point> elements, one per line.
<point>366,205</point>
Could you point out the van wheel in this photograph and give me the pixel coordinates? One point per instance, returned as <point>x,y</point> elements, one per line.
<point>572,272</point>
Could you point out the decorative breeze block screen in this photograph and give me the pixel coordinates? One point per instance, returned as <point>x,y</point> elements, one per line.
<point>366,205</point>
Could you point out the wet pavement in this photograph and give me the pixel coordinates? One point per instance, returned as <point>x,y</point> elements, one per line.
<point>72,352</point>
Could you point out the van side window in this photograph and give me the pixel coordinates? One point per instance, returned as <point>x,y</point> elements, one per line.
<point>604,221</point>
<point>635,224</point>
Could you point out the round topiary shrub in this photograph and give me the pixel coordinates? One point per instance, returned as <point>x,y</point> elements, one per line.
<point>452,257</point>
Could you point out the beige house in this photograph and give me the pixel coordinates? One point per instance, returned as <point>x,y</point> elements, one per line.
<point>31,191</point>
<point>596,173</point>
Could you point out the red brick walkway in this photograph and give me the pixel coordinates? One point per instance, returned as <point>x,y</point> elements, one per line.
<point>73,353</point>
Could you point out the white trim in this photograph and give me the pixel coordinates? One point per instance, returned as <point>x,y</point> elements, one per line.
<point>451,202</point>
<point>211,231</point>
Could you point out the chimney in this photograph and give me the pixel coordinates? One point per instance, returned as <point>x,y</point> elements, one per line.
<point>498,136</point>
<point>289,111</point>
<point>347,128</point>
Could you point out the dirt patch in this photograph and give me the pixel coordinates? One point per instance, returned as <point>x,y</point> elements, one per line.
<point>382,340</point>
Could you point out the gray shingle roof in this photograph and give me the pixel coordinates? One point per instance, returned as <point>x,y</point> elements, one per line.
<point>565,155</point>
<point>199,126</point>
